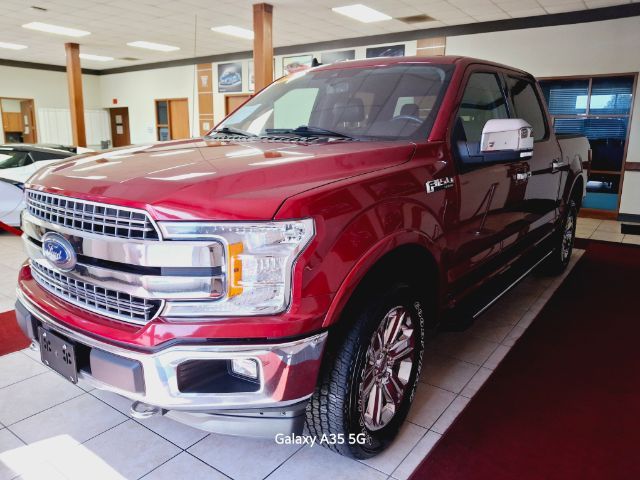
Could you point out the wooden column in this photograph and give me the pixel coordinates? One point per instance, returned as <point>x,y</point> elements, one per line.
<point>76,101</point>
<point>262,45</point>
<point>205,96</point>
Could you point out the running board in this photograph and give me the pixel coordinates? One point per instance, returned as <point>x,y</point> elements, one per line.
<point>510,286</point>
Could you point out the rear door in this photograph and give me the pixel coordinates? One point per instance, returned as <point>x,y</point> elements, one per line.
<point>540,207</point>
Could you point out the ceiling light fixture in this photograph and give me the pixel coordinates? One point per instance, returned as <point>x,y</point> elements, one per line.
<point>97,58</point>
<point>58,30</point>
<point>362,13</point>
<point>12,46</point>
<point>153,46</point>
<point>234,31</point>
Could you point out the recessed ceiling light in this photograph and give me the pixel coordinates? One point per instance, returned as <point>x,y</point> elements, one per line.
<point>97,58</point>
<point>153,46</point>
<point>12,46</point>
<point>362,13</point>
<point>58,30</point>
<point>234,31</point>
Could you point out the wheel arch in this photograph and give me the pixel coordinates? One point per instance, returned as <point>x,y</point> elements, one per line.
<point>414,260</point>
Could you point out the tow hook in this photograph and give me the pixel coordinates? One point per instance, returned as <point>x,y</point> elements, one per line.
<point>141,410</point>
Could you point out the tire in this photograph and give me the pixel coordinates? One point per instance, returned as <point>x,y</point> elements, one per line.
<point>557,262</point>
<point>338,414</point>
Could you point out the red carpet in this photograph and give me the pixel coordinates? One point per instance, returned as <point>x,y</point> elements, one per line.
<point>11,337</point>
<point>565,402</point>
<point>15,231</point>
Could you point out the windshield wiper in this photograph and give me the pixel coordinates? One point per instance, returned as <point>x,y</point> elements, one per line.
<point>306,131</point>
<point>234,131</point>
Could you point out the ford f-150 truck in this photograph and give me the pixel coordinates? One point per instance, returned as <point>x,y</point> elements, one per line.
<point>284,271</point>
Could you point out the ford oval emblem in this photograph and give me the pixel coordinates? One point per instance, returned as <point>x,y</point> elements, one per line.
<point>58,251</point>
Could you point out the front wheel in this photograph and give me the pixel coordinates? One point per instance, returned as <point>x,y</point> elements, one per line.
<point>558,261</point>
<point>369,377</point>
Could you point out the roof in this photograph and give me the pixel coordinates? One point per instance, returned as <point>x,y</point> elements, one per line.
<point>25,147</point>
<point>439,60</point>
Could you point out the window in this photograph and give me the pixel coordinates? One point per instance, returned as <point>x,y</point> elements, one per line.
<point>482,101</point>
<point>526,105</point>
<point>598,108</point>
<point>43,156</point>
<point>13,159</point>
<point>367,103</point>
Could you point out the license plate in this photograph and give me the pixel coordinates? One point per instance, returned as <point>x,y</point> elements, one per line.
<point>59,354</point>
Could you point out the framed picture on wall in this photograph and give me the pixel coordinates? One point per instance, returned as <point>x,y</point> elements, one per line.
<point>386,51</point>
<point>333,57</point>
<point>251,77</point>
<point>230,77</point>
<point>296,63</point>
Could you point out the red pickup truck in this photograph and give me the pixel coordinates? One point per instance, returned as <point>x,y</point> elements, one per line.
<point>285,270</point>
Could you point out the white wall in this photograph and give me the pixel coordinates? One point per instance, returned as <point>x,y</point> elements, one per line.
<point>50,93</point>
<point>48,89</point>
<point>139,90</point>
<point>610,46</point>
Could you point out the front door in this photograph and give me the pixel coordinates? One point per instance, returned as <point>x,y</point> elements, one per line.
<point>488,193</point>
<point>120,126</point>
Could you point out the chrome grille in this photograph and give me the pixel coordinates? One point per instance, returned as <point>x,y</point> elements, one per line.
<point>90,216</point>
<point>103,301</point>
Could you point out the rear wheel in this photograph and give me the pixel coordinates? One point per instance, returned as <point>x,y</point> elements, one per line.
<point>558,261</point>
<point>370,376</point>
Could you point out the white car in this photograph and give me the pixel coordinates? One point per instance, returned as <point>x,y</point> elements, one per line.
<point>17,163</point>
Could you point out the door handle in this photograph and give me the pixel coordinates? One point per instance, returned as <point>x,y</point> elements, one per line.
<point>556,165</point>
<point>522,176</point>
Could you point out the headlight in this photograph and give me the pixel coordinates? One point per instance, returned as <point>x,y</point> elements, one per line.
<point>258,267</point>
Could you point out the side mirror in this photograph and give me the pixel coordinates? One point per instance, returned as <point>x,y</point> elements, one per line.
<point>510,138</point>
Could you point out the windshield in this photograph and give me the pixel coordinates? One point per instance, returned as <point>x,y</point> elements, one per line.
<point>383,102</point>
<point>13,159</point>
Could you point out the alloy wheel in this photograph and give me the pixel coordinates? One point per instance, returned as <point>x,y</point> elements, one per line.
<point>387,369</point>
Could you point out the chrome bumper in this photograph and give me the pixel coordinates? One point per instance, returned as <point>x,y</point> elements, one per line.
<point>287,370</point>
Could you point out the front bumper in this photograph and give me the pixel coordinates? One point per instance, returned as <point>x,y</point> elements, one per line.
<point>287,376</point>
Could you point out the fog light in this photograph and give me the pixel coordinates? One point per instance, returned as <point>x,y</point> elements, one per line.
<point>245,367</point>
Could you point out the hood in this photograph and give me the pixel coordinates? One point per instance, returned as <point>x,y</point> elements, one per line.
<point>214,180</point>
<point>22,174</point>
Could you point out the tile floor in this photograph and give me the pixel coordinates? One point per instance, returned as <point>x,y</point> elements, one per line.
<point>605,230</point>
<point>51,428</point>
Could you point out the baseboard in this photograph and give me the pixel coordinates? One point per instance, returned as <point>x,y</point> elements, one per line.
<point>629,217</point>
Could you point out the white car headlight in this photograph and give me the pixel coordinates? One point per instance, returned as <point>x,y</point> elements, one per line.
<point>258,268</point>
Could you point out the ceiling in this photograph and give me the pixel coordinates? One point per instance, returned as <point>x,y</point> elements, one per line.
<point>113,23</point>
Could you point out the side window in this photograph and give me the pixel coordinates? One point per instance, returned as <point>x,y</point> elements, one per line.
<point>482,101</point>
<point>40,156</point>
<point>526,105</point>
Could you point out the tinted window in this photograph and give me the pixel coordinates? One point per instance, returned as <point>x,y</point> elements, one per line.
<point>527,105</point>
<point>13,159</point>
<point>389,102</point>
<point>482,101</point>
<point>40,156</point>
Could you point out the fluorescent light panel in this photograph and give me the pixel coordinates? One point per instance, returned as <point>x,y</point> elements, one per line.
<point>12,46</point>
<point>57,29</point>
<point>362,13</point>
<point>234,31</point>
<point>96,58</point>
<point>153,46</point>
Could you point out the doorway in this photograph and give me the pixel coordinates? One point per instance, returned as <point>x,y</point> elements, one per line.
<point>120,126</point>
<point>18,120</point>
<point>172,119</point>
<point>233,101</point>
